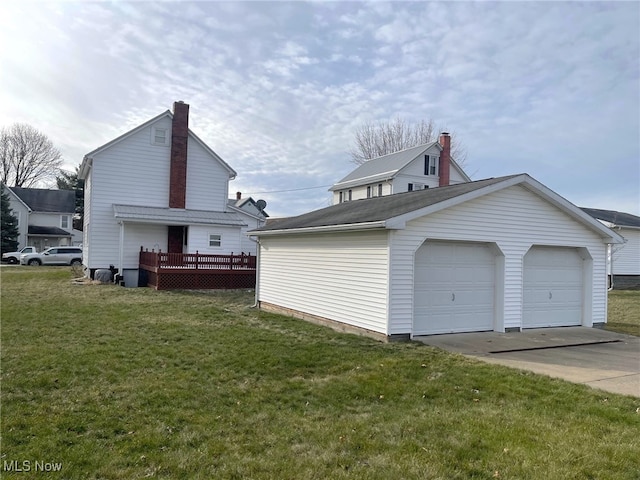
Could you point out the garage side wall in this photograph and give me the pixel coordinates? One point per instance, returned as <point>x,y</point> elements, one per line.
<point>339,276</point>
<point>513,218</point>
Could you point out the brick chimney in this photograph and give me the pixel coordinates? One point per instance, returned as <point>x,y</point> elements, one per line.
<point>178,168</point>
<point>445,159</point>
<point>238,195</point>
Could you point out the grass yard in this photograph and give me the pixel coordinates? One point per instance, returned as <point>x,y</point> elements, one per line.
<point>116,383</point>
<point>624,312</point>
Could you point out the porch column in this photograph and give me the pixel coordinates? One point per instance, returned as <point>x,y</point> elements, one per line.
<point>121,252</point>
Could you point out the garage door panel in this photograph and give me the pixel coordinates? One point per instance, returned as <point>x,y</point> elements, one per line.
<point>553,287</point>
<point>453,288</point>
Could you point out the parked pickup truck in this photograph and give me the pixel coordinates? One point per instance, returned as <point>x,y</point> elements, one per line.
<point>54,256</point>
<point>14,257</point>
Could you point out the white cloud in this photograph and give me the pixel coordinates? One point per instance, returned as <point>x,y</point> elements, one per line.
<point>277,88</point>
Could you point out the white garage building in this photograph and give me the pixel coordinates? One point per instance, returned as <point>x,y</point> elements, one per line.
<point>499,254</point>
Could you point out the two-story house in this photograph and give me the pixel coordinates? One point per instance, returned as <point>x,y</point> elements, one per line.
<point>159,187</point>
<point>45,217</point>
<point>416,168</point>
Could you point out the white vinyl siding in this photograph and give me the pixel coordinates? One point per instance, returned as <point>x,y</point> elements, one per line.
<point>46,219</point>
<point>19,210</point>
<point>134,171</point>
<point>207,180</point>
<point>338,276</point>
<point>626,257</point>
<point>515,219</point>
<point>199,239</point>
<point>136,235</point>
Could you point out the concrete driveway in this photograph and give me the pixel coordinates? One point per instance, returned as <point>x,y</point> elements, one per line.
<point>598,358</point>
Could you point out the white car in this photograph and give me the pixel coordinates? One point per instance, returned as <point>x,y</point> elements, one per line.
<point>54,256</point>
<point>14,257</point>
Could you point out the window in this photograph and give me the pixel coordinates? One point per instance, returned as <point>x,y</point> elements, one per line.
<point>64,221</point>
<point>215,240</point>
<point>410,187</point>
<point>341,199</point>
<point>158,136</point>
<point>369,191</point>
<point>430,165</point>
<point>379,189</point>
<point>350,195</point>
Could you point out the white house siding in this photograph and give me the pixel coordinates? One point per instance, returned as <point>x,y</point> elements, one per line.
<point>44,219</point>
<point>231,239</point>
<point>207,180</point>
<point>21,212</point>
<point>86,222</point>
<point>339,276</point>
<point>138,235</point>
<point>132,171</point>
<point>626,257</point>
<point>513,218</point>
<point>360,192</point>
<point>247,245</point>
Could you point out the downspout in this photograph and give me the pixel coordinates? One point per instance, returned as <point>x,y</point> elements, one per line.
<point>121,253</point>
<point>610,248</point>
<point>257,292</point>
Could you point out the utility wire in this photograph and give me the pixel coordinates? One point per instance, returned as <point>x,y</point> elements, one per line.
<point>291,190</point>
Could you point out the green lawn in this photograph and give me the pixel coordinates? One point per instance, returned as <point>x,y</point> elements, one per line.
<point>624,312</point>
<point>117,383</point>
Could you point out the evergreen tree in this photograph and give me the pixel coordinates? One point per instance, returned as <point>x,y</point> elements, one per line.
<point>69,181</point>
<point>9,227</point>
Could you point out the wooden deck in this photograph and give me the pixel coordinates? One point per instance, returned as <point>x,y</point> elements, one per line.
<point>196,271</point>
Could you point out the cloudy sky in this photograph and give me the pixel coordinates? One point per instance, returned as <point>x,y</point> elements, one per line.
<point>278,88</point>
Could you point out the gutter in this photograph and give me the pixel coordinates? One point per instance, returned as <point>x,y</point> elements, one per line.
<point>323,228</point>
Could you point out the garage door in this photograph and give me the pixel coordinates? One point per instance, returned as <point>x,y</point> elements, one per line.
<point>454,286</point>
<point>552,287</point>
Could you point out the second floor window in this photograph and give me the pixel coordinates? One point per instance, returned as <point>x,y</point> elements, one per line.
<point>430,165</point>
<point>159,136</point>
<point>64,221</point>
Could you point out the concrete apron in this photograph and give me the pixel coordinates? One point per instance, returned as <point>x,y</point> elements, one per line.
<point>598,358</point>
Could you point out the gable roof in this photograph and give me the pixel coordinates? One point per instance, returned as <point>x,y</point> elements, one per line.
<point>613,217</point>
<point>88,158</point>
<point>48,201</point>
<point>387,166</point>
<point>239,204</point>
<point>393,211</point>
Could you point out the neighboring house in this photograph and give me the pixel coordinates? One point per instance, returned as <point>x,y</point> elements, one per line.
<point>253,214</point>
<point>624,260</point>
<point>160,187</point>
<point>45,217</point>
<point>499,254</point>
<point>416,168</point>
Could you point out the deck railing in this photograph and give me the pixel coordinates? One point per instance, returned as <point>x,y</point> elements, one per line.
<point>188,271</point>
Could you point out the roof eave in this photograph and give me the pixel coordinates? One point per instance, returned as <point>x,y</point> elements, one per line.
<point>324,228</point>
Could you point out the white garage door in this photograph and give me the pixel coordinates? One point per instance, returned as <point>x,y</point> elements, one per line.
<point>552,287</point>
<point>454,286</point>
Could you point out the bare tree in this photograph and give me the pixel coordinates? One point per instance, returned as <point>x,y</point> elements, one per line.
<point>376,139</point>
<point>27,156</point>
